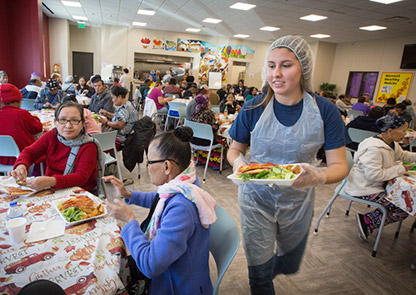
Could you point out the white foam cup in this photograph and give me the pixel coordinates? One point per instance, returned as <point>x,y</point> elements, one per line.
<point>17,229</point>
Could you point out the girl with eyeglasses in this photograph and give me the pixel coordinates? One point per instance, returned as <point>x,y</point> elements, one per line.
<point>171,246</point>
<point>72,156</point>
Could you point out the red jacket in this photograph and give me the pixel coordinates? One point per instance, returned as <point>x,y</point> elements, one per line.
<point>85,171</point>
<point>20,125</point>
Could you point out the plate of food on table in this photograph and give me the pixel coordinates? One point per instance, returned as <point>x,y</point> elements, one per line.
<point>268,173</point>
<point>15,187</point>
<point>76,209</point>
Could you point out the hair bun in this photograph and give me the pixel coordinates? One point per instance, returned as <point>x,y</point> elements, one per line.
<point>184,133</point>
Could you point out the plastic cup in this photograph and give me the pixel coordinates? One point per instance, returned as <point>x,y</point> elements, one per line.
<point>17,229</point>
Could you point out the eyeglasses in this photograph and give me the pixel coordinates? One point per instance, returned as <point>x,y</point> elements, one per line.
<point>72,121</point>
<point>160,161</point>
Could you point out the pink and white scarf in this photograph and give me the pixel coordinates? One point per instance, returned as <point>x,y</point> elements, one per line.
<point>183,184</point>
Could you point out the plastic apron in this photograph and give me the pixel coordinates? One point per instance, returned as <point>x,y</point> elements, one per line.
<point>280,215</point>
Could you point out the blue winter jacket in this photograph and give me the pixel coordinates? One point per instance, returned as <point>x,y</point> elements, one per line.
<point>177,258</point>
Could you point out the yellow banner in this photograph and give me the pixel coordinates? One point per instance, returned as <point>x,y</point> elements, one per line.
<point>394,85</point>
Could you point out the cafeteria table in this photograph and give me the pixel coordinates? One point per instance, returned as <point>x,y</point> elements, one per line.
<point>90,258</point>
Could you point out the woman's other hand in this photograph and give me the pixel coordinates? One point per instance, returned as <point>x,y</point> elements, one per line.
<point>408,166</point>
<point>41,182</point>
<point>19,173</point>
<point>118,184</point>
<point>120,210</point>
<point>310,177</point>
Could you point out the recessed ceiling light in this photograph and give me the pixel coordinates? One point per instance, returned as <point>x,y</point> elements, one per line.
<point>212,20</point>
<point>373,28</point>
<point>71,3</point>
<point>139,24</point>
<point>241,36</point>
<point>313,17</point>
<point>242,6</point>
<point>146,12</point>
<point>81,22</point>
<point>386,1</point>
<point>320,36</point>
<point>192,30</point>
<point>270,29</point>
<point>77,17</point>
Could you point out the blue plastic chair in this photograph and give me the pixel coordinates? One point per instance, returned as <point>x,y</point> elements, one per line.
<point>174,111</point>
<point>204,131</point>
<point>224,242</point>
<point>215,109</point>
<point>355,113</point>
<point>8,148</point>
<point>107,141</point>
<point>27,104</point>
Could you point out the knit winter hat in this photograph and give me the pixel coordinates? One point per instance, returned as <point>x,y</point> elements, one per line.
<point>303,53</point>
<point>9,93</point>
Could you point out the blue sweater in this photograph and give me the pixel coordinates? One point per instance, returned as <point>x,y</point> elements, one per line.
<point>177,258</point>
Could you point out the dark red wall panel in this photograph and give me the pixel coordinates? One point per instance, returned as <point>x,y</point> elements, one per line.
<point>5,62</point>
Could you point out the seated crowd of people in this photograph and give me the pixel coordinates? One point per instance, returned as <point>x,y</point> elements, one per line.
<point>172,243</point>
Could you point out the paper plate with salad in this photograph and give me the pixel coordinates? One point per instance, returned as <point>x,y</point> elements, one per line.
<point>412,170</point>
<point>78,209</point>
<point>269,173</point>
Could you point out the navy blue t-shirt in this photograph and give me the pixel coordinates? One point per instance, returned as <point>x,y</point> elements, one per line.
<point>334,127</point>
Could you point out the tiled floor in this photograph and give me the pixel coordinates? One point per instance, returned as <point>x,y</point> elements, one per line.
<point>335,262</point>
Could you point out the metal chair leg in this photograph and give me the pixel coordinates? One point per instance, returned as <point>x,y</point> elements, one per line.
<point>396,235</point>
<point>348,208</point>
<point>206,165</point>
<point>380,230</point>
<point>222,151</point>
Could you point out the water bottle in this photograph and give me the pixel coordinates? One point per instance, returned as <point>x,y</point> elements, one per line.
<point>14,211</point>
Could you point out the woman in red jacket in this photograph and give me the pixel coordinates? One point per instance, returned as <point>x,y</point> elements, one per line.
<point>71,154</point>
<point>16,122</point>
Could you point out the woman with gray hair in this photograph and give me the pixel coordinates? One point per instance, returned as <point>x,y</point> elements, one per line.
<point>288,125</point>
<point>374,164</point>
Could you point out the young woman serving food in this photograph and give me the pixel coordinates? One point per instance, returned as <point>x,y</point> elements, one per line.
<point>289,125</point>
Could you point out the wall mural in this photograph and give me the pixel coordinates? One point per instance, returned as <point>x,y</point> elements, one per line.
<point>214,58</point>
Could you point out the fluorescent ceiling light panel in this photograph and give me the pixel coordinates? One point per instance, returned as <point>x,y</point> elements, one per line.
<point>241,36</point>
<point>212,20</point>
<point>71,3</point>
<point>192,30</point>
<point>242,6</point>
<point>386,1</point>
<point>313,17</point>
<point>320,36</point>
<point>373,28</point>
<point>146,12</point>
<point>78,17</point>
<point>139,24</point>
<point>81,22</point>
<point>270,29</point>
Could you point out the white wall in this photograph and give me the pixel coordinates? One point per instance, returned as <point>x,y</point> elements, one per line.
<point>376,56</point>
<point>323,63</point>
<point>59,45</point>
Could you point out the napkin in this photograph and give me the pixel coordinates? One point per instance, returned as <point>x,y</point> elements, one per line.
<point>45,230</point>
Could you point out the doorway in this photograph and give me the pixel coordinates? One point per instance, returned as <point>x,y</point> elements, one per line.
<point>82,65</point>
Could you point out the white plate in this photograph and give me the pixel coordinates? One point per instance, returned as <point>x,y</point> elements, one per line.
<point>56,203</point>
<point>279,182</point>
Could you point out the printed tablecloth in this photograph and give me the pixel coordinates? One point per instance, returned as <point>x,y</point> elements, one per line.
<point>46,117</point>
<point>89,259</point>
<point>402,193</point>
